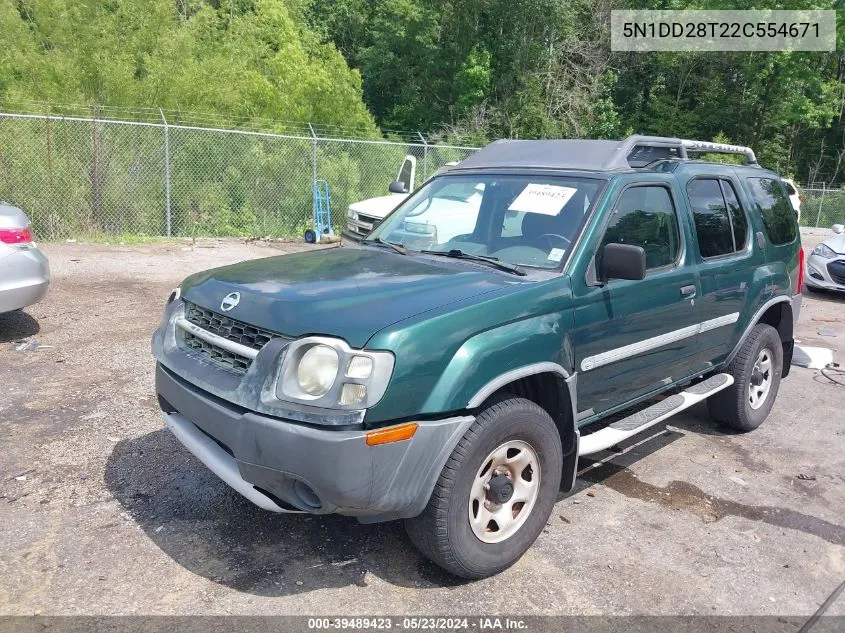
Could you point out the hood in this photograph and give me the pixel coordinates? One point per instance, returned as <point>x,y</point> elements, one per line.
<point>837,243</point>
<point>351,293</point>
<point>378,207</point>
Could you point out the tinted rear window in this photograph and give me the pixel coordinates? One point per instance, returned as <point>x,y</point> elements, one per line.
<point>774,206</point>
<point>719,220</point>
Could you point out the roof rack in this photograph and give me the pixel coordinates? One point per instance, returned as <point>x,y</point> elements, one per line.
<point>637,147</point>
<point>636,151</point>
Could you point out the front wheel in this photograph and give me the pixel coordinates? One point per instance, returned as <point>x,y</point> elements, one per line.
<point>756,370</point>
<point>495,492</point>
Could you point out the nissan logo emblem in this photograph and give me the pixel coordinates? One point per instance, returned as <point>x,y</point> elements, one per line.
<point>230,301</point>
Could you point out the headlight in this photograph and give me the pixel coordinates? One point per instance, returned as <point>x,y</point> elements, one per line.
<point>317,370</point>
<point>824,251</point>
<point>326,372</point>
<point>177,292</point>
<point>351,214</point>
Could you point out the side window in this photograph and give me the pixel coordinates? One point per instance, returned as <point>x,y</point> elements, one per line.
<point>720,223</point>
<point>645,216</point>
<point>774,206</point>
<point>739,223</point>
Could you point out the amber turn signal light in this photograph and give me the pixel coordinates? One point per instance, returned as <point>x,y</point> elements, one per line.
<point>392,434</point>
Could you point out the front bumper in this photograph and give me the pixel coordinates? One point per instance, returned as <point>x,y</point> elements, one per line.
<point>24,279</point>
<point>818,273</point>
<point>288,467</point>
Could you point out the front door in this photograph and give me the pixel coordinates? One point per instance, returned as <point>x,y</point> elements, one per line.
<point>634,337</point>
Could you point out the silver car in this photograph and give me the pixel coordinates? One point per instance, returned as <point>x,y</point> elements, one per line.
<point>826,264</point>
<point>24,270</point>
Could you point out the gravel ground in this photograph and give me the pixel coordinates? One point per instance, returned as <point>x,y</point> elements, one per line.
<point>103,512</point>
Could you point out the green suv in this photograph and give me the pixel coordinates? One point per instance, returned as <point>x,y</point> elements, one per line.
<point>454,385</point>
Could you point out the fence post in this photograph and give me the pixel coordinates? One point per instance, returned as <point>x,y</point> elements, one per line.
<point>166,172</point>
<point>425,157</point>
<point>313,155</point>
<point>821,202</point>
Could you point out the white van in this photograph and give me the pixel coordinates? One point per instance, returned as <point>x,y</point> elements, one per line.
<point>363,216</point>
<point>794,196</point>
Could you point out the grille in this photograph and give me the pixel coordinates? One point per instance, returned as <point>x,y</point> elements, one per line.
<point>363,225</point>
<point>837,271</point>
<point>217,355</point>
<point>225,327</point>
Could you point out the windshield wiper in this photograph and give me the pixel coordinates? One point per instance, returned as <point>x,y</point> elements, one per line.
<point>399,248</point>
<point>493,261</point>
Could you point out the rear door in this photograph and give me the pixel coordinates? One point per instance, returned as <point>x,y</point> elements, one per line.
<point>782,240</point>
<point>727,258</point>
<point>635,337</point>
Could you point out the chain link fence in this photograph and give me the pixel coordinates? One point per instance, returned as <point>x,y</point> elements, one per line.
<point>822,207</point>
<point>79,177</point>
<point>82,177</point>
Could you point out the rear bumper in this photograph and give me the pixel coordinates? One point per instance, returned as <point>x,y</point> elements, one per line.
<point>305,469</point>
<point>24,279</point>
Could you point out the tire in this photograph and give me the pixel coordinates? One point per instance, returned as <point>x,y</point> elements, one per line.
<point>737,407</point>
<point>310,236</point>
<point>444,533</point>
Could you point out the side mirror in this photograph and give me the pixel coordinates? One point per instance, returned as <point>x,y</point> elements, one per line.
<point>398,187</point>
<point>622,261</point>
<point>838,229</point>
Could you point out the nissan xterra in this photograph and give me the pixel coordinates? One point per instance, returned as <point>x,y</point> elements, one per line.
<point>603,287</point>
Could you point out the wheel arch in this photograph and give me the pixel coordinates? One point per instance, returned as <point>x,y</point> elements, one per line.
<point>778,313</point>
<point>553,389</point>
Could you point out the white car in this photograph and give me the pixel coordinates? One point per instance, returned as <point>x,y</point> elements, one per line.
<point>826,264</point>
<point>794,196</point>
<point>365,215</point>
<point>24,270</point>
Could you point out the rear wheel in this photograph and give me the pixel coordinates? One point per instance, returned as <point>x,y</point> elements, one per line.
<point>756,370</point>
<point>310,236</point>
<point>495,492</point>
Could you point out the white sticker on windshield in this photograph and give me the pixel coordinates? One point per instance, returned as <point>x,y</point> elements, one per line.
<point>545,199</point>
<point>556,254</point>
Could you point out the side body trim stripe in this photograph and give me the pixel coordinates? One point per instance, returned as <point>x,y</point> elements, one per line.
<point>640,347</point>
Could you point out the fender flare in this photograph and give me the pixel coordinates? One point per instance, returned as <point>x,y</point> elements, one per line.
<point>570,465</point>
<point>754,321</point>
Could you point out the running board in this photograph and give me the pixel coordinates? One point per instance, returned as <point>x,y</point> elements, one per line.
<point>642,420</point>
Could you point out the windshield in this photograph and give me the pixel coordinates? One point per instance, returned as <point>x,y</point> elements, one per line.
<point>527,220</point>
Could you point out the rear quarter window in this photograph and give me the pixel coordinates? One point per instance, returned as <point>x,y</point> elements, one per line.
<point>771,201</point>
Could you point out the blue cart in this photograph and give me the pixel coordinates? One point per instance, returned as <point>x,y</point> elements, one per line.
<point>322,213</point>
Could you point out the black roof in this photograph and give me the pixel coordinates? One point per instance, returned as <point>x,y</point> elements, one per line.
<point>632,152</point>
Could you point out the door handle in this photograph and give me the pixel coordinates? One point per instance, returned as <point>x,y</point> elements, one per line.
<point>688,291</point>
